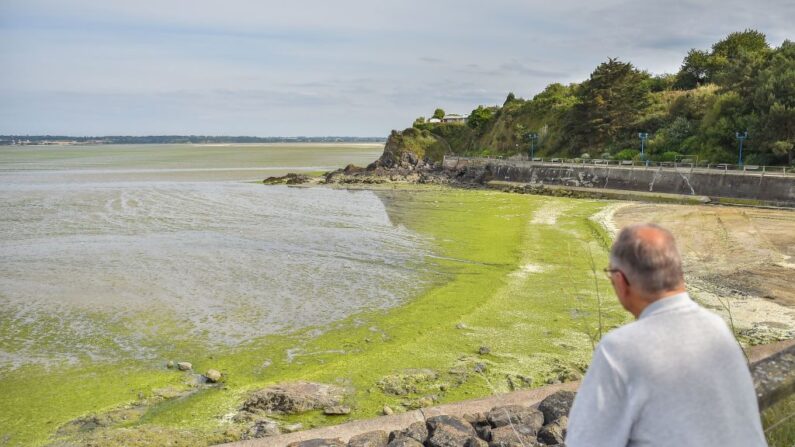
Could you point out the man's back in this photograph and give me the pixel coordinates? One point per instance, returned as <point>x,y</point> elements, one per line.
<point>675,377</point>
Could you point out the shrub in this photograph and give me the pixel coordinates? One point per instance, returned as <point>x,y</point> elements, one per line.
<point>669,156</point>
<point>627,154</point>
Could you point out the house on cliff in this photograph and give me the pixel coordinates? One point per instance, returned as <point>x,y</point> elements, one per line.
<point>454,118</point>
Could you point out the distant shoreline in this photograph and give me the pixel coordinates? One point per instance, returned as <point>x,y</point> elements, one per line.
<point>62,140</point>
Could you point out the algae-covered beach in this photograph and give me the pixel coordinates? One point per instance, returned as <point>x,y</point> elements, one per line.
<point>465,293</point>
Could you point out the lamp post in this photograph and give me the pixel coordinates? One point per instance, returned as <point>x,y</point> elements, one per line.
<point>643,137</point>
<point>533,137</point>
<point>741,137</point>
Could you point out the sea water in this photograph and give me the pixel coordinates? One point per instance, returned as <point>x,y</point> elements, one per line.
<point>105,248</point>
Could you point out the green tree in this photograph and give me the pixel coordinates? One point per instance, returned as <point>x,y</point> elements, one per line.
<point>744,41</point>
<point>610,102</point>
<point>511,98</point>
<point>480,117</point>
<point>438,113</point>
<point>773,100</point>
<point>695,70</point>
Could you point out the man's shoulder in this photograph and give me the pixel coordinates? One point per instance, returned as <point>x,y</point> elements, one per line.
<point>642,337</point>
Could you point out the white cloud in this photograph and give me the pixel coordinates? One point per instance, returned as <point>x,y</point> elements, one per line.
<point>355,67</point>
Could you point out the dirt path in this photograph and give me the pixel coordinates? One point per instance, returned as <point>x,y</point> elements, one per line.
<point>739,261</point>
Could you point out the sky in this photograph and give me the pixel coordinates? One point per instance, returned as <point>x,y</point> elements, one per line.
<point>321,67</point>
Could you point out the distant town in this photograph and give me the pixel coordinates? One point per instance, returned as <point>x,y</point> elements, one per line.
<point>61,140</point>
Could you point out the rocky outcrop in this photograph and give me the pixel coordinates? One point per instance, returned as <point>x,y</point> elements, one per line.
<point>289,179</point>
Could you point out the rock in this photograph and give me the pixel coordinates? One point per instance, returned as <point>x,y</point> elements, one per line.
<point>449,431</point>
<point>289,179</point>
<point>212,375</point>
<point>411,381</point>
<point>377,438</point>
<point>483,350</point>
<point>337,410</point>
<point>516,415</point>
<point>513,436</point>
<point>296,397</point>
<point>405,442</point>
<point>184,366</point>
<point>476,442</point>
<point>388,410</point>
<point>425,401</point>
<point>484,432</point>
<point>292,428</point>
<point>480,367</point>
<point>476,419</point>
<point>417,431</point>
<point>318,443</point>
<point>460,326</point>
<point>555,432</point>
<point>170,364</point>
<point>353,169</point>
<point>262,428</point>
<point>556,405</point>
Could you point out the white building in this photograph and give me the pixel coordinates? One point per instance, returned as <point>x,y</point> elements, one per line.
<point>454,118</point>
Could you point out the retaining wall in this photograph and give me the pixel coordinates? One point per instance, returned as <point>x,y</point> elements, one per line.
<point>773,189</point>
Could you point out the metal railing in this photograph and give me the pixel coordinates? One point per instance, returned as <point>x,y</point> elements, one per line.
<point>685,165</point>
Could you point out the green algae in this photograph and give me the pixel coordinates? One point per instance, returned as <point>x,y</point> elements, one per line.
<point>526,290</point>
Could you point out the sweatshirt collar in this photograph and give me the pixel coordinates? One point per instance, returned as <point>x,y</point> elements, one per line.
<point>666,304</point>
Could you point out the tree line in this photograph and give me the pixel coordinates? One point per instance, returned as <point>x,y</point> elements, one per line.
<point>740,84</point>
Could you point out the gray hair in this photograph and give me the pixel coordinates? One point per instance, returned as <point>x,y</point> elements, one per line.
<point>647,255</point>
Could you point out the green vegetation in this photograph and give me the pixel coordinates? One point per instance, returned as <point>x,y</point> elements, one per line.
<point>779,423</point>
<point>740,84</point>
<point>500,286</point>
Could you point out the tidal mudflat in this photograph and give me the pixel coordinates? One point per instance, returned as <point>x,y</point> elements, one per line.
<point>404,296</point>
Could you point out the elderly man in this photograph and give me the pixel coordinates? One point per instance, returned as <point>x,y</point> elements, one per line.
<point>676,376</point>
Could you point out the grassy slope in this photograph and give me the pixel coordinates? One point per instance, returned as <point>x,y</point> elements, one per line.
<point>534,323</point>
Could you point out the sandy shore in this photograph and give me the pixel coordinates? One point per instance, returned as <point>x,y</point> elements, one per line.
<point>738,261</point>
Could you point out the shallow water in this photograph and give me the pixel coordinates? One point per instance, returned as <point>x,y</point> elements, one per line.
<point>103,249</point>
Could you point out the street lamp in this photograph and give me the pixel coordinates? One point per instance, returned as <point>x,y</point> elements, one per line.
<point>741,137</point>
<point>643,137</point>
<point>533,137</point>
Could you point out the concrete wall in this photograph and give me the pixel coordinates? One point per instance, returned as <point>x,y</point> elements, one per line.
<point>778,189</point>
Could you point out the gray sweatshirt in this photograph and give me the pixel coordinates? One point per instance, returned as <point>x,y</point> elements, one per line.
<point>675,377</point>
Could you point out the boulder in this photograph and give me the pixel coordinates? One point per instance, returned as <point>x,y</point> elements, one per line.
<point>184,366</point>
<point>262,428</point>
<point>449,431</point>
<point>555,432</point>
<point>377,438</point>
<point>318,443</point>
<point>556,405</point>
<point>212,375</point>
<point>387,410</point>
<point>337,410</point>
<point>516,415</point>
<point>483,350</point>
<point>476,442</point>
<point>417,431</point>
<point>292,428</point>
<point>405,442</point>
<point>296,397</point>
<point>513,436</point>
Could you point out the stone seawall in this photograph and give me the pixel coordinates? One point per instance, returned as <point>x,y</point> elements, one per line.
<point>770,189</point>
